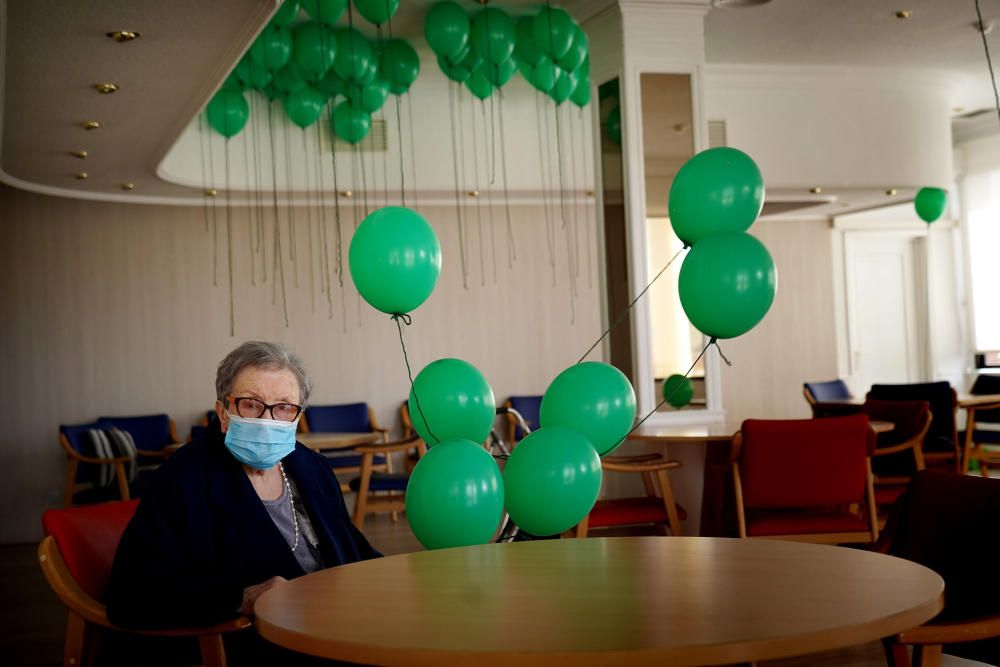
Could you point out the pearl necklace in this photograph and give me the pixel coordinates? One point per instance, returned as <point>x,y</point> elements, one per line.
<point>291,503</point>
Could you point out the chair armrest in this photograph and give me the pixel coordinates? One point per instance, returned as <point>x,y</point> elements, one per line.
<point>157,453</point>
<point>948,633</point>
<point>82,458</point>
<point>394,446</point>
<point>640,467</point>
<point>736,447</point>
<point>638,458</point>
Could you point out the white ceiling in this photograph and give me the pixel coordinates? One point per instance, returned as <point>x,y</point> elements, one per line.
<point>54,51</point>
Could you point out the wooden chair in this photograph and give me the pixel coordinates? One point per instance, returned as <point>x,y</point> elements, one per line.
<point>898,453</point>
<point>382,491</point>
<point>529,407</point>
<point>818,393</point>
<point>345,418</point>
<point>76,557</point>
<point>656,507</point>
<point>82,469</point>
<point>941,442</point>
<point>981,444</point>
<point>152,435</point>
<point>807,480</point>
<point>946,522</point>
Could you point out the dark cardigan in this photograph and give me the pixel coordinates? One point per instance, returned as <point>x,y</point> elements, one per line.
<point>201,535</point>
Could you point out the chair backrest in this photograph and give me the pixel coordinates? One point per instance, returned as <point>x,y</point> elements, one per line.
<point>987,384</point>
<point>907,418</point>
<point>150,432</point>
<point>76,437</point>
<point>87,538</point>
<point>940,522</point>
<point>833,390</point>
<point>804,462</point>
<point>529,407</point>
<point>941,397</point>
<point>345,418</point>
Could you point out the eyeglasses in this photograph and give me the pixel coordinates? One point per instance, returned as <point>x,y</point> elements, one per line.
<point>251,408</point>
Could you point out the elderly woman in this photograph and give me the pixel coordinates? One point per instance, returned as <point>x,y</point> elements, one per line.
<point>238,512</point>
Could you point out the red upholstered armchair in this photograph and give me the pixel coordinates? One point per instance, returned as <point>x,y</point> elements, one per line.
<point>76,557</point>
<point>807,480</point>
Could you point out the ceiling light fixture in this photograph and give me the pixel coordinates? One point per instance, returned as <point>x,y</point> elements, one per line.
<point>891,191</point>
<point>985,28</point>
<point>121,36</point>
<point>211,192</point>
<point>81,175</point>
<point>128,186</point>
<point>105,88</point>
<point>346,193</point>
<point>816,190</point>
<point>79,154</point>
<point>90,125</point>
<point>903,14</point>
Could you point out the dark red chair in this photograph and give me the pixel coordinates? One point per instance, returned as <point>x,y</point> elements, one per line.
<point>899,453</point>
<point>657,507</point>
<point>76,557</point>
<point>807,480</point>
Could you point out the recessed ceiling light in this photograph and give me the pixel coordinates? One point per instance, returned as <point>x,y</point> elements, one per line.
<point>891,191</point>
<point>79,154</point>
<point>346,193</point>
<point>128,186</point>
<point>211,192</point>
<point>90,124</point>
<point>123,35</point>
<point>105,88</point>
<point>81,175</point>
<point>903,14</point>
<point>985,28</point>
<point>816,190</point>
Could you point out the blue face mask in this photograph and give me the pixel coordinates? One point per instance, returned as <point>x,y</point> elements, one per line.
<point>260,443</point>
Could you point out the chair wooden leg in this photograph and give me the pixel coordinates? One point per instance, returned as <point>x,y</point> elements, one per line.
<point>361,504</point>
<point>581,528</point>
<point>647,482</point>
<point>70,484</point>
<point>667,492</point>
<point>213,653</point>
<point>74,652</point>
<point>896,654</point>
<point>984,470</point>
<point>122,481</point>
<point>927,655</point>
<point>870,497</point>
<point>738,494</point>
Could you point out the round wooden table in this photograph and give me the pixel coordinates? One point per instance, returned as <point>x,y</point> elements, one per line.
<point>622,600</point>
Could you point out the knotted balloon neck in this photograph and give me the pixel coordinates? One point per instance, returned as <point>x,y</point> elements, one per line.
<point>405,317</point>
<point>715,341</point>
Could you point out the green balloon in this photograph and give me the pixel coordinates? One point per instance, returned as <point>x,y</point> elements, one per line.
<point>593,398</point>
<point>228,112</point>
<point>272,48</point>
<point>678,390</point>
<point>577,52</point>
<point>563,87</point>
<point>304,106</point>
<point>500,74</point>
<point>233,82</point>
<point>370,97</point>
<point>288,12</point>
<point>332,85</point>
<point>354,55</point>
<point>456,401</point>
<point>525,49</point>
<point>350,122</point>
<point>395,258</point>
<point>554,30</point>
<point>314,48</point>
<point>930,203</point>
<point>613,125</point>
<point>541,75</point>
<point>727,284</point>
<point>608,89</point>
<point>377,11</point>
<point>479,83</point>
<point>551,480</point>
<point>456,72</point>
<point>289,79</point>
<point>446,29</point>
<point>327,12</point>
<point>455,496</point>
<point>399,65</point>
<point>581,94</point>
<point>493,35</point>
<point>717,190</point>
<point>253,75</point>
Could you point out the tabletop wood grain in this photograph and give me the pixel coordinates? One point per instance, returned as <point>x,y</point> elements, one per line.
<point>625,600</point>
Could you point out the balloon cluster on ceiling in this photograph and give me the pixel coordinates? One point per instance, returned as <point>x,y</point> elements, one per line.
<point>309,63</point>
<point>484,50</point>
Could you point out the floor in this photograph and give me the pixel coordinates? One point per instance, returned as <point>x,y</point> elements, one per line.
<point>33,620</point>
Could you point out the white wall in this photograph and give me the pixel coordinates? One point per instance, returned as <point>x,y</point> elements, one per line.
<point>111,309</point>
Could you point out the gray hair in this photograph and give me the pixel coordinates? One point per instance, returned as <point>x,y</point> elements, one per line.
<point>260,354</point>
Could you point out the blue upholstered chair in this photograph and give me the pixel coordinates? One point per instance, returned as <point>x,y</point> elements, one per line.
<point>152,435</point>
<point>941,442</point>
<point>529,407</point>
<point>818,393</point>
<point>984,444</point>
<point>84,468</point>
<point>345,418</point>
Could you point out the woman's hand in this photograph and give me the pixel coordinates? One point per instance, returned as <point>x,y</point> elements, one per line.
<point>251,593</point>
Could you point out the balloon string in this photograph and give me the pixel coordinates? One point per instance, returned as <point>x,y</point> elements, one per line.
<point>324,232</point>
<point>407,320</point>
<point>229,244</point>
<point>458,197</point>
<point>716,342</point>
<point>205,134</point>
<point>511,247</point>
<point>246,170</point>
<point>629,308</point>
<point>336,202</point>
<point>478,192</point>
<point>543,172</point>
<point>677,385</point>
<point>989,61</point>
<point>399,131</point>
<point>413,148</point>
<point>278,270</point>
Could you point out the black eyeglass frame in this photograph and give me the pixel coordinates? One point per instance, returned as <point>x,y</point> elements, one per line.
<point>267,408</point>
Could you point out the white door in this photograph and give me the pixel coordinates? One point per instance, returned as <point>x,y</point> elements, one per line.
<point>885,312</point>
